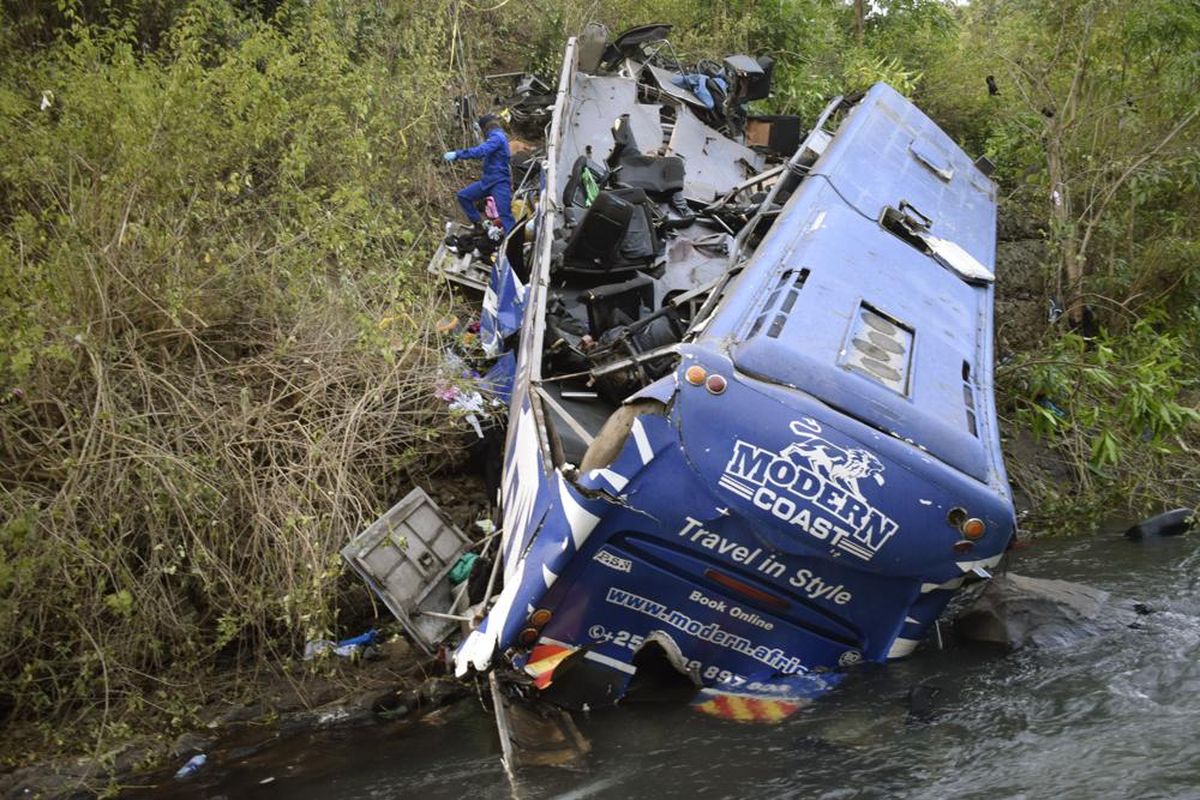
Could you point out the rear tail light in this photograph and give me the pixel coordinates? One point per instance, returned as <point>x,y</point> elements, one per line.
<point>746,590</point>
<point>970,527</point>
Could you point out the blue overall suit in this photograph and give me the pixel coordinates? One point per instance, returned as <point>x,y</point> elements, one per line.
<point>496,179</point>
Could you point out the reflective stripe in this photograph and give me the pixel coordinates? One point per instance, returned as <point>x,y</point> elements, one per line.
<point>609,661</point>
<point>749,709</point>
<point>902,647</point>
<point>643,444</point>
<point>542,661</point>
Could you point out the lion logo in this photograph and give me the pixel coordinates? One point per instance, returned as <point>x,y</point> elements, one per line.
<point>842,467</point>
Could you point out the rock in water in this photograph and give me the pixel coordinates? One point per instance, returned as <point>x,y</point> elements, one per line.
<point>1017,611</point>
<point>1169,523</point>
<point>922,700</point>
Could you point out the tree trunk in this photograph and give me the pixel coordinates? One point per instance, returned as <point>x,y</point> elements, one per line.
<point>1069,281</point>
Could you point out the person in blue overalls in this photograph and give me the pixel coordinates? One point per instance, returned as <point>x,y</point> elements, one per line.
<point>496,179</point>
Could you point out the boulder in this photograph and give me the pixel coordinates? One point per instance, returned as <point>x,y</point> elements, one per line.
<point>1017,611</point>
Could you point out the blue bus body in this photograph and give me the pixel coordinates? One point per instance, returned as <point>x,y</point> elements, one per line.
<point>793,496</point>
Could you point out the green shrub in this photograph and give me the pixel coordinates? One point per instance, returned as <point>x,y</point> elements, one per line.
<point>216,356</point>
<point>1120,409</point>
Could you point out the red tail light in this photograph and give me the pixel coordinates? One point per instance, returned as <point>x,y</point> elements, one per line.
<point>746,590</point>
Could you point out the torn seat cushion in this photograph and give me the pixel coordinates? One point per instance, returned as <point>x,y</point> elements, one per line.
<point>641,243</point>
<point>660,175</point>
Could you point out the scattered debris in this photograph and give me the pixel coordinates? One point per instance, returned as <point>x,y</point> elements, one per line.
<point>355,647</point>
<point>1176,522</point>
<point>193,765</point>
<point>1017,611</point>
<point>406,557</point>
<point>529,99</point>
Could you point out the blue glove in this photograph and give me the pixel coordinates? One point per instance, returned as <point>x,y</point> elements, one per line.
<point>449,155</point>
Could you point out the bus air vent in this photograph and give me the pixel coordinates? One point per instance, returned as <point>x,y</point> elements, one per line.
<point>779,303</point>
<point>969,399</point>
<point>880,348</point>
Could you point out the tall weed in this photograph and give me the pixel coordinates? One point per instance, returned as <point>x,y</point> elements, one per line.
<point>216,350</point>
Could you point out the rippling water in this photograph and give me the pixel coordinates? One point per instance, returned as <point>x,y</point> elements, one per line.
<point>1114,714</point>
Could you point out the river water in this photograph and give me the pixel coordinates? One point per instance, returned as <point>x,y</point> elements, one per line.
<point>1115,713</point>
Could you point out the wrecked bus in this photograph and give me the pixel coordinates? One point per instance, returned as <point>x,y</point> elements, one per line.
<point>751,438</point>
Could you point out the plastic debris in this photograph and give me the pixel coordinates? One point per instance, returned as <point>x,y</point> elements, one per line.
<point>471,404</point>
<point>346,648</point>
<point>1051,406</point>
<point>498,381</point>
<point>462,568</point>
<point>193,765</point>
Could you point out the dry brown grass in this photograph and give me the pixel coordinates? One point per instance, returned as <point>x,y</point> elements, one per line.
<point>185,509</point>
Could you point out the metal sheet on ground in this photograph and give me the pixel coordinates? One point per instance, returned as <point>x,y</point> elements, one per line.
<point>406,557</point>
<point>535,734</point>
<point>713,164</point>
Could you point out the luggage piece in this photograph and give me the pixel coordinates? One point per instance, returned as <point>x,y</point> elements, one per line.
<point>595,242</point>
